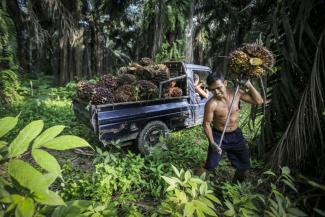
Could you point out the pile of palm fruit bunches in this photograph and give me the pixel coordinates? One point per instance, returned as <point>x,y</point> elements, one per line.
<point>251,60</point>
<point>136,82</point>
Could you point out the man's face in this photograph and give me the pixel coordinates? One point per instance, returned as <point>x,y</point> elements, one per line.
<point>218,89</point>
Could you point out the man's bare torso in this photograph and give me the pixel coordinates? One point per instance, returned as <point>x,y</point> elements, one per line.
<point>220,112</point>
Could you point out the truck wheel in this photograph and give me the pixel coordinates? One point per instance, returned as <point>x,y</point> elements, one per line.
<point>149,136</point>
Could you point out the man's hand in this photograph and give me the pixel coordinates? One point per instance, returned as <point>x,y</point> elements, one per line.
<point>216,148</point>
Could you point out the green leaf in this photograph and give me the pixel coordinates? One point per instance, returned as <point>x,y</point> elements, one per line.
<point>296,212</point>
<point>47,161</point>
<point>25,136</point>
<point>187,175</point>
<point>269,173</point>
<point>73,208</point>
<point>189,209</point>
<point>170,181</point>
<point>204,208</point>
<point>199,213</point>
<point>48,135</point>
<point>176,171</point>
<point>7,124</point>
<point>49,178</point>
<point>203,188</point>
<point>289,184</point>
<point>25,208</point>
<point>285,170</point>
<point>66,142</point>
<point>320,212</point>
<point>213,198</point>
<point>49,198</point>
<point>229,212</point>
<point>27,176</point>
<point>3,144</point>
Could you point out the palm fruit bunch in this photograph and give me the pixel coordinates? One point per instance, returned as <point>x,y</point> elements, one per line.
<point>126,79</point>
<point>147,90</point>
<point>251,60</point>
<point>161,73</point>
<point>146,61</point>
<point>126,93</point>
<point>102,95</point>
<point>175,92</point>
<point>146,73</point>
<point>123,70</point>
<point>85,90</point>
<point>108,81</point>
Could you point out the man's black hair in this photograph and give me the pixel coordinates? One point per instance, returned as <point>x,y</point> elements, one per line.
<point>214,76</point>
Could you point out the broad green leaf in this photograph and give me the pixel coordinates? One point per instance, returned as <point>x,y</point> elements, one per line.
<point>285,170</point>
<point>199,213</point>
<point>203,188</point>
<point>176,171</point>
<point>25,136</point>
<point>204,208</point>
<point>187,175</point>
<point>320,212</point>
<point>7,124</point>
<point>25,208</point>
<point>47,161</point>
<point>171,187</point>
<point>48,135</point>
<point>229,212</point>
<point>189,209</point>
<point>66,142</point>
<point>73,208</point>
<point>170,181</point>
<point>50,178</point>
<point>289,184</point>
<point>3,144</point>
<point>27,176</point>
<point>49,198</point>
<point>269,173</point>
<point>296,212</point>
<point>213,198</point>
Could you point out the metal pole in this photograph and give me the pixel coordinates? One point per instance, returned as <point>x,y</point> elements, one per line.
<point>228,115</point>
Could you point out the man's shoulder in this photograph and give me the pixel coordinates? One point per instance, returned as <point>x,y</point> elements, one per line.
<point>211,102</point>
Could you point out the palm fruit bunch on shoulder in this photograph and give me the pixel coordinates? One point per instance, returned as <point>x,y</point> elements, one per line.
<point>146,61</point>
<point>102,95</point>
<point>175,92</point>
<point>251,60</point>
<point>161,73</point>
<point>126,79</point>
<point>126,93</point>
<point>147,90</point>
<point>85,90</point>
<point>108,81</point>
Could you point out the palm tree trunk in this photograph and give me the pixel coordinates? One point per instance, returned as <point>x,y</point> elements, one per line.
<point>23,42</point>
<point>189,35</point>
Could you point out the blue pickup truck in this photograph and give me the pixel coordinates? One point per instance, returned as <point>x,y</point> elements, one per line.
<point>144,122</point>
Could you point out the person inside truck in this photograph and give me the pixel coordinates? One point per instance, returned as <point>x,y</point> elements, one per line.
<point>198,87</point>
<point>215,115</point>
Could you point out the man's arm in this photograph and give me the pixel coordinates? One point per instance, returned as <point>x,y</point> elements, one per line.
<point>201,92</point>
<point>208,118</point>
<point>253,96</point>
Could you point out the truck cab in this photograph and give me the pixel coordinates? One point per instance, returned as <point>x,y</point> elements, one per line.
<point>144,122</point>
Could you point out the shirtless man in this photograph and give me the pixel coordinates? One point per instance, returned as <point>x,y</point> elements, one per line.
<point>215,114</point>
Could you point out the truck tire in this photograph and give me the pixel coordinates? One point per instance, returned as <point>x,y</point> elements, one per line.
<point>149,136</point>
